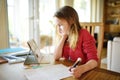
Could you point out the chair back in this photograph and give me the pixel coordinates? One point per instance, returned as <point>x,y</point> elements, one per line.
<point>98,28</point>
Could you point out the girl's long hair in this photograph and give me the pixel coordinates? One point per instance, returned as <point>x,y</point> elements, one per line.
<point>71,16</point>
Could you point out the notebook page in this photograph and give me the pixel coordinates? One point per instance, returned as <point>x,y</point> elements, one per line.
<point>52,72</point>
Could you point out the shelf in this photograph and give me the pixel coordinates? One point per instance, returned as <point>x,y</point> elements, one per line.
<point>112,25</point>
<point>112,28</point>
<point>112,16</point>
<point>115,6</point>
<point>113,3</point>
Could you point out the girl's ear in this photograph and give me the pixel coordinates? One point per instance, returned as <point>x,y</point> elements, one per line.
<point>71,22</point>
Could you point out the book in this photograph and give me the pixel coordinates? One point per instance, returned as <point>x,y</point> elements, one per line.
<point>13,59</point>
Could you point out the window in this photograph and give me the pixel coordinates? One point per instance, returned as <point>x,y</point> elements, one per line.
<point>18,22</point>
<point>83,9</point>
<point>22,21</point>
<point>47,9</point>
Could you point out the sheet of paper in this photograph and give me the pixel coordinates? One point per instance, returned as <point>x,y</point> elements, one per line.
<point>52,72</point>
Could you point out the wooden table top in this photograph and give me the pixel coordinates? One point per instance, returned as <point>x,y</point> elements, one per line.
<point>16,72</point>
<point>95,74</point>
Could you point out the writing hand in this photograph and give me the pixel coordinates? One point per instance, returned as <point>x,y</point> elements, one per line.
<point>75,64</point>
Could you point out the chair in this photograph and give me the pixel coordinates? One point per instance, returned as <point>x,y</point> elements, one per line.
<point>97,27</point>
<point>113,54</point>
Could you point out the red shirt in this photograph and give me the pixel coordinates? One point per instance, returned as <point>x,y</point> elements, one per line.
<point>85,49</point>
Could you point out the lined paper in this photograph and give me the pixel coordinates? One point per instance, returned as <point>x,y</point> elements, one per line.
<point>51,72</point>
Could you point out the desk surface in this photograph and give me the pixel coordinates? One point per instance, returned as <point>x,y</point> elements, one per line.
<point>16,72</point>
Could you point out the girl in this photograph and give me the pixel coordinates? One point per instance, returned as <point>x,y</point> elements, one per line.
<point>73,41</point>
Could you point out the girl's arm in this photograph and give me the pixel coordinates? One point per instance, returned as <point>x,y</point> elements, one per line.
<point>78,71</point>
<point>59,48</point>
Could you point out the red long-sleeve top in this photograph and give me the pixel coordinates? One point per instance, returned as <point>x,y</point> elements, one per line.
<point>85,49</point>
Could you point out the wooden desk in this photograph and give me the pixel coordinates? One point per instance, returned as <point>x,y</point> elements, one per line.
<point>16,72</point>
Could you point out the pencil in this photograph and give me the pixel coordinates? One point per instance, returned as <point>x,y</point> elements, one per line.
<point>76,63</point>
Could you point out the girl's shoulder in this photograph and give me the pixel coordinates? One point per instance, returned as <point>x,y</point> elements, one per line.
<point>84,31</point>
<point>85,35</point>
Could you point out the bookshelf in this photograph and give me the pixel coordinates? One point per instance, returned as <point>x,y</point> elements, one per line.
<point>112,16</point>
<point>111,19</point>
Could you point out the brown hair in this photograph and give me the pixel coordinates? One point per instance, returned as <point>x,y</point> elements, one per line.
<point>71,16</point>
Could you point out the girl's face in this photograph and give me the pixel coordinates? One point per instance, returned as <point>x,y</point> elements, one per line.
<point>62,26</point>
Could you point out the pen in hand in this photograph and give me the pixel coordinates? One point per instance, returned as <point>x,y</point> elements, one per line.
<point>75,64</point>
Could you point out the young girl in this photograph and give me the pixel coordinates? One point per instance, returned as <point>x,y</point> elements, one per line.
<point>73,41</point>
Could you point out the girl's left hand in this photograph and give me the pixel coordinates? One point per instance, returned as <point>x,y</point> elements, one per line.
<point>78,71</point>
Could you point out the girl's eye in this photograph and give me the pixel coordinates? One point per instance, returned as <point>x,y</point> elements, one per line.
<point>59,25</point>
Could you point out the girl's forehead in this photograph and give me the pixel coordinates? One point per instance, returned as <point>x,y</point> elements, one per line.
<point>59,20</point>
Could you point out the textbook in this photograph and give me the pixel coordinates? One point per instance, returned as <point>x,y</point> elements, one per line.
<point>11,50</point>
<point>13,59</point>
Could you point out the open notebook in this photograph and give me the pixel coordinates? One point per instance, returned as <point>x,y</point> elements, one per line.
<point>34,56</point>
<point>51,72</point>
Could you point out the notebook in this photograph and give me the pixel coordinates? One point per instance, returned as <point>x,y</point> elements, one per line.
<point>35,56</point>
<point>51,72</point>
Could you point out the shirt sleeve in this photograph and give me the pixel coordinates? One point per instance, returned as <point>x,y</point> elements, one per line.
<point>89,47</point>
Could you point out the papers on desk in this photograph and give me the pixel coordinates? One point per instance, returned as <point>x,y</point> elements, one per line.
<point>52,72</point>
<point>13,59</point>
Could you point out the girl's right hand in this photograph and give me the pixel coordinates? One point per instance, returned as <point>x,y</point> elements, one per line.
<point>63,31</point>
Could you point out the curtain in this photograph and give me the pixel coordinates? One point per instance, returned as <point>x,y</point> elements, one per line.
<point>96,10</point>
<point>34,21</point>
<point>60,3</point>
<point>4,35</point>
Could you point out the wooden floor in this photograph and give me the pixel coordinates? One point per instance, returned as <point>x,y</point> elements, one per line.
<point>103,58</point>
